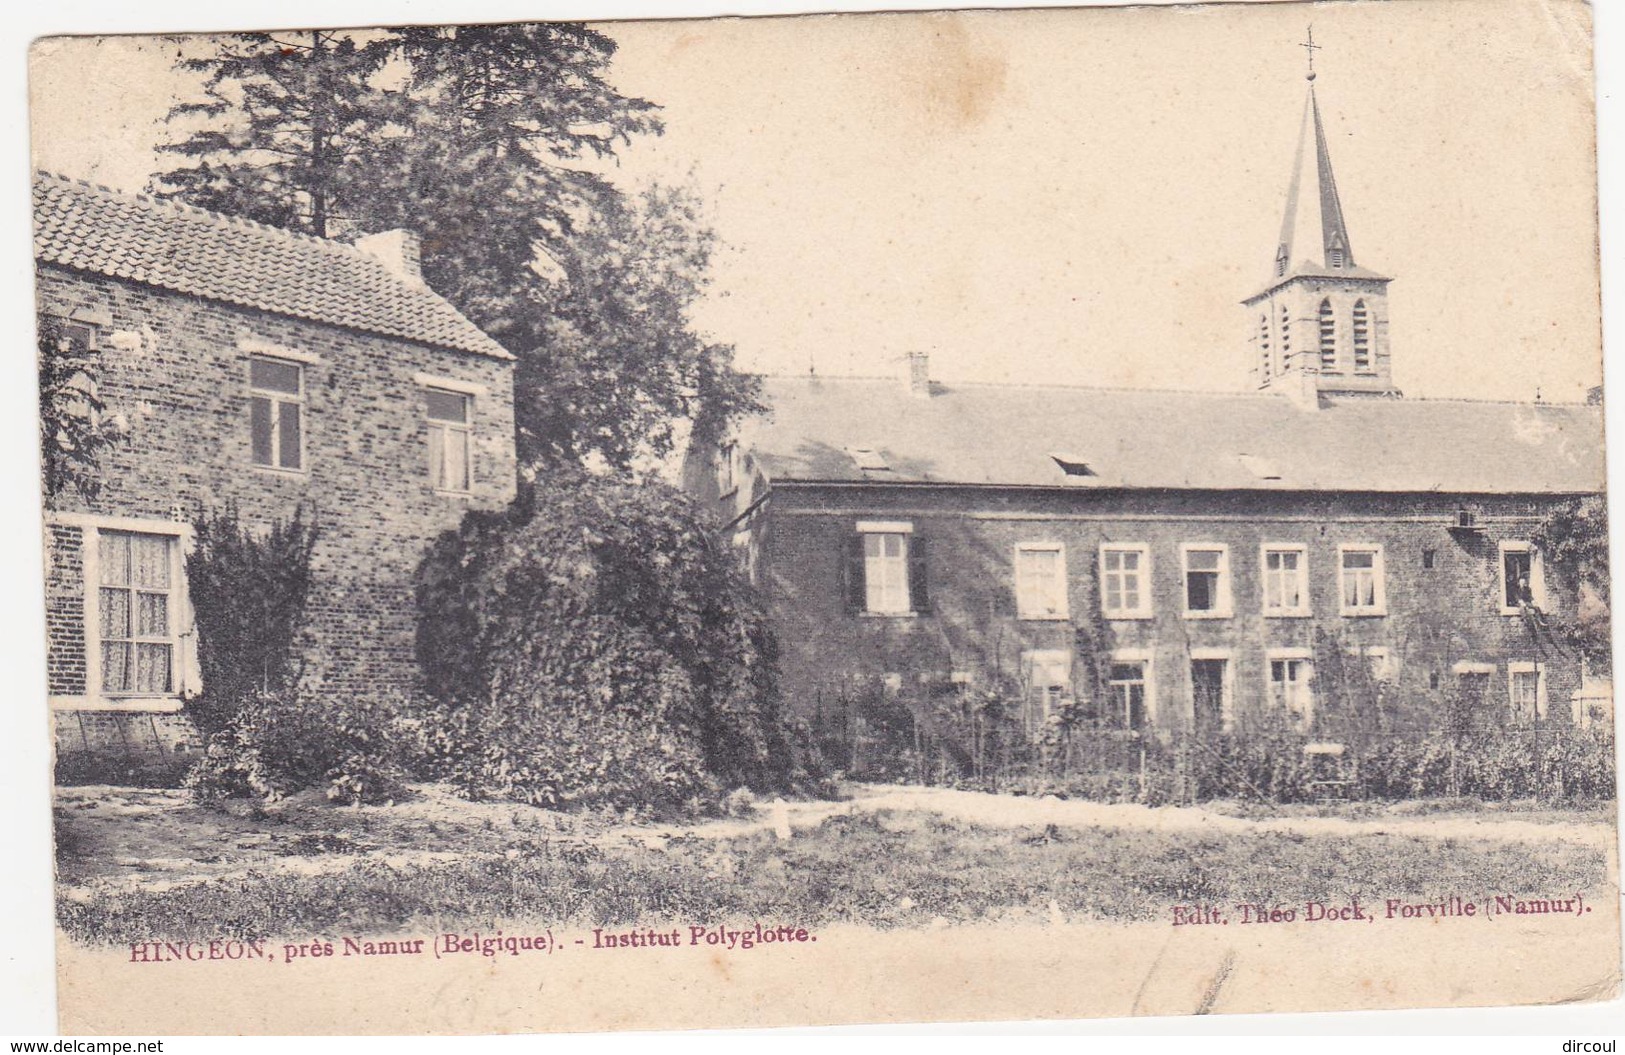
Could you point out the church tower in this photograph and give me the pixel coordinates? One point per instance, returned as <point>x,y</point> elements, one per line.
<point>1320,324</point>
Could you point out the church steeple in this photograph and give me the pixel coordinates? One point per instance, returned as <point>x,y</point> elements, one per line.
<point>1320,325</point>
<point>1313,231</point>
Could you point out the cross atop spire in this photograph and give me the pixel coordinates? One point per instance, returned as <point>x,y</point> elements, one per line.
<point>1311,47</point>
<point>1319,325</point>
<point>1313,233</point>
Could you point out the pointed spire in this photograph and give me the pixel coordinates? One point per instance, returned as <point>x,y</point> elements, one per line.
<point>1312,231</point>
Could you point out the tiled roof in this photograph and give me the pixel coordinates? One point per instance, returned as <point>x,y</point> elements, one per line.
<point>206,254</point>
<point>1009,435</point>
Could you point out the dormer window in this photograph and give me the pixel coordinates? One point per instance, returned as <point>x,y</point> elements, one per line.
<point>1072,465</point>
<point>868,459</point>
<point>1262,468</point>
<point>1335,258</point>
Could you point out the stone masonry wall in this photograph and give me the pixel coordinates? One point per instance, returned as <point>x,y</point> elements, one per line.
<point>174,368</point>
<point>1436,617</point>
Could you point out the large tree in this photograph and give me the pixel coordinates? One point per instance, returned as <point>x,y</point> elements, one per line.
<point>490,142</point>
<point>283,131</point>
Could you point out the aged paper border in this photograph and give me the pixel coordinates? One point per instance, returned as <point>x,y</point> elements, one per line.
<point>24,777</point>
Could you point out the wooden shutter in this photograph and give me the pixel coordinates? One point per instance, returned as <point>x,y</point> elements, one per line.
<point>855,586</point>
<point>919,595</point>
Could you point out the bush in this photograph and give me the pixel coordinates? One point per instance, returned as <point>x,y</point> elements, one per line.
<point>1553,762</point>
<point>266,734</point>
<point>279,743</point>
<point>1262,758</point>
<point>248,594</point>
<point>607,650</point>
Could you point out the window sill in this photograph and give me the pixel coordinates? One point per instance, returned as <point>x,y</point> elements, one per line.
<point>453,494</point>
<point>277,470</point>
<point>1223,613</point>
<point>888,615</point>
<point>1357,613</point>
<point>1287,613</point>
<point>1126,616</point>
<point>124,704</point>
<point>1055,617</point>
<point>1535,608</point>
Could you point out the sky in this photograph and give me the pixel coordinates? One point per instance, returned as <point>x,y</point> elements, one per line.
<point>1077,197</point>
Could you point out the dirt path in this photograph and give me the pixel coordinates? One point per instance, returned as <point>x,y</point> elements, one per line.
<point>123,838</point>
<point>1010,811</point>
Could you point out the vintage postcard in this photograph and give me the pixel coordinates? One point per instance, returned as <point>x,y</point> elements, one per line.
<point>832,519</point>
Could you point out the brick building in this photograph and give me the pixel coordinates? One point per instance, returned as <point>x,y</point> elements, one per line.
<point>1173,561</point>
<point>243,364</point>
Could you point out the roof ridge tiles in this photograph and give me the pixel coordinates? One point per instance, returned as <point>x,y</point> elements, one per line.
<point>348,249</point>
<point>169,244</point>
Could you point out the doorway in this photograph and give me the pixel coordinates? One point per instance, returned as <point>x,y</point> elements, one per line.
<point>1208,704</point>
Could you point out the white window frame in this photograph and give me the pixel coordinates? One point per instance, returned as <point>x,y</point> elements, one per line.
<point>1227,701</point>
<point>1528,667</point>
<point>83,380</point>
<point>1379,590</point>
<point>1302,610</point>
<point>183,634</point>
<point>278,399</point>
<point>1301,655</point>
<point>1147,659</point>
<point>1537,575</point>
<point>1027,606</point>
<point>887,527</point>
<point>1225,608</point>
<point>466,427</point>
<point>1144,609</point>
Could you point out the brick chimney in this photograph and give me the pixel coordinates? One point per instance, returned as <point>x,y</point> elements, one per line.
<point>399,250</point>
<point>919,375</point>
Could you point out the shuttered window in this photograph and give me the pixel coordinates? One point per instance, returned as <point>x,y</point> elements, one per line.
<point>885,571</point>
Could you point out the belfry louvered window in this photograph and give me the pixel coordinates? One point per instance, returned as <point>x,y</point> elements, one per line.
<point>1286,339</point>
<point>1362,336</point>
<point>1264,364</point>
<point>1328,337</point>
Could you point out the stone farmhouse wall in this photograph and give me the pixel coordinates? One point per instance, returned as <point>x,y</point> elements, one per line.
<point>176,369</point>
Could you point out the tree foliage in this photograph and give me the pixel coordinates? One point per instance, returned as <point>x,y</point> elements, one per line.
<point>72,434</point>
<point>1573,541</point>
<point>623,362</point>
<point>491,143</point>
<point>288,124</point>
<point>605,651</point>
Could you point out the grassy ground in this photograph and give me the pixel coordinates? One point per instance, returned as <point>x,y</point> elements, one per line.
<point>139,868</point>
